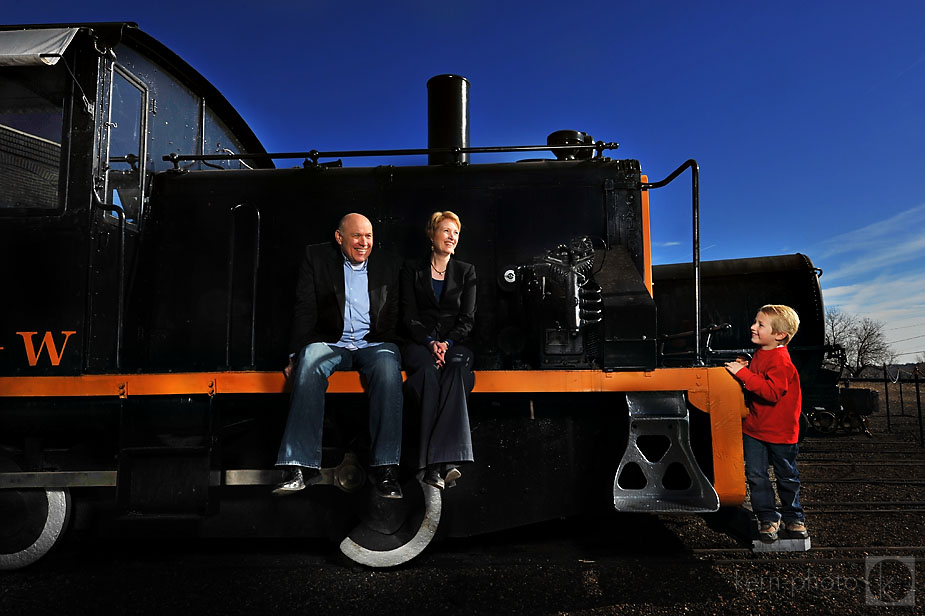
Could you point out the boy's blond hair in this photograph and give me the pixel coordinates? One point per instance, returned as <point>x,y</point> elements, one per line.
<point>784,320</point>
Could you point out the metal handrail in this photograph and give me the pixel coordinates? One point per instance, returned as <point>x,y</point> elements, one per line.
<point>695,207</point>
<point>314,155</point>
<point>233,211</point>
<point>120,211</point>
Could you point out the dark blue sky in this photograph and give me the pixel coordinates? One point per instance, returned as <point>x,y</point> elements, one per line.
<point>806,117</point>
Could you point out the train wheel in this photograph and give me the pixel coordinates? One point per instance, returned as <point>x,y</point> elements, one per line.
<point>395,531</point>
<point>31,522</point>
<point>825,422</point>
<point>852,422</point>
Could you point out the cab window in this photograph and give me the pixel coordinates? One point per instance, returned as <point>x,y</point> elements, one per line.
<point>218,139</point>
<point>31,129</point>
<point>125,163</point>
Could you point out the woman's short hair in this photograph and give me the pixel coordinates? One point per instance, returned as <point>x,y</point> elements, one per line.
<point>437,217</point>
<point>784,320</point>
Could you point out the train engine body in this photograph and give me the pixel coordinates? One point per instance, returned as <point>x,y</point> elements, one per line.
<point>151,250</point>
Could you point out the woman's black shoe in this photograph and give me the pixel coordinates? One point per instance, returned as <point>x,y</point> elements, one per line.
<point>451,476</point>
<point>432,477</point>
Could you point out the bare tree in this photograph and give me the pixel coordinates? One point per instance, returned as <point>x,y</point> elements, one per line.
<point>870,346</point>
<point>862,338</point>
<point>839,327</point>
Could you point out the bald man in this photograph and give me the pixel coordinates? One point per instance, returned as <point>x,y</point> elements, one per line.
<point>345,318</point>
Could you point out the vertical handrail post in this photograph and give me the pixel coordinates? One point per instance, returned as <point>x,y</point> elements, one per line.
<point>886,395</point>
<point>232,248</point>
<point>918,404</point>
<point>695,265</point>
<point>120,287</point>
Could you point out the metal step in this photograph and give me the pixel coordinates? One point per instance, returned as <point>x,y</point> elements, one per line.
<point>782,545</point>
<point>659,426</point>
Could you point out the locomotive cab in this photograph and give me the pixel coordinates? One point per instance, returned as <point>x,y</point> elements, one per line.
<point>87,113</point>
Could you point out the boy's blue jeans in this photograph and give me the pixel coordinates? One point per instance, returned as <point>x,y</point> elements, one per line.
<point>759,455</point>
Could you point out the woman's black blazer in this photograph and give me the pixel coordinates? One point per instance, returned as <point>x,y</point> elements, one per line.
<point>452,317</point>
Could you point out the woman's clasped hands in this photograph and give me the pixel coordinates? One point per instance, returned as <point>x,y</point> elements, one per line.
<point>438,350</point>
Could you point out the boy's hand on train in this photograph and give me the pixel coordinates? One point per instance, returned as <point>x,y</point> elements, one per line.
<point>287,371</point>
<point>735,366</point>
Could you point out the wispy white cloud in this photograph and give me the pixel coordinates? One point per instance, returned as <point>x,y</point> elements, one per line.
<point>911,66</point>
<point>878,246</point>
<point>677,252</point>
<point>877,229</point>
<point>878,271</point>
<point>892,296</point>
<point>896,300</point>
<point>881,83</point>
<point>877,258</point>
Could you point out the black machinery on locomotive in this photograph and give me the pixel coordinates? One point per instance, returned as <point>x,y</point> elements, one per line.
<point>149,249</point>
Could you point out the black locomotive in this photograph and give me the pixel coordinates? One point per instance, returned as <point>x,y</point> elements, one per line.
<point>149,249</point>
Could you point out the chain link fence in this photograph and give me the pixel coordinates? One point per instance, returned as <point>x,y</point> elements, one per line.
<point>897,393</point>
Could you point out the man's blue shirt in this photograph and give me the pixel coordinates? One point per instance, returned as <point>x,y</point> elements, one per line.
<point>356,307</point>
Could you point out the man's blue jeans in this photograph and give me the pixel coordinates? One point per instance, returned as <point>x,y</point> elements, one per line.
<point>759,455</point>
<point>380,365</point>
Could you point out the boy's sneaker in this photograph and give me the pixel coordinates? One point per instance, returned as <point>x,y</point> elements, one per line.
<point>797,529</point>
<point>767,531</point>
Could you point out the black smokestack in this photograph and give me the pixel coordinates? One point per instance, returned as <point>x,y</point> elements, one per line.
<point>447,117</point>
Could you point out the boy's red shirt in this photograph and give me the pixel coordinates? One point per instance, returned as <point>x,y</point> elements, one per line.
<point>773,397</point>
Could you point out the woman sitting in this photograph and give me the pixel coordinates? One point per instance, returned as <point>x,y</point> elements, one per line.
<point>438,311</point>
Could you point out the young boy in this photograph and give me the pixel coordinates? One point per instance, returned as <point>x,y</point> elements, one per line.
<point>772,428</point>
